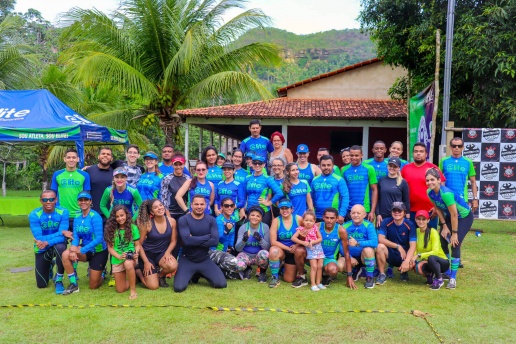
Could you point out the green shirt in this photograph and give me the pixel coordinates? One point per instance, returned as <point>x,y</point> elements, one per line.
<point>121,246</point>
<point>433,248</point>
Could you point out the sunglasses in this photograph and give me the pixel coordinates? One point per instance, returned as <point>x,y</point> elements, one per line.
<point>50,199</point>
<point>228,205</point>
<point>200,170</point>
<point>258,163</point>
<point>457,146</point>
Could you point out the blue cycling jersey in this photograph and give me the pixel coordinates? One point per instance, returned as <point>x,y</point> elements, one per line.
<point>260,146</point>
<point>240,175</point>
<point>203,190</point>
<point>259,186</point>
<point>88,232</point>
<point>214,174</point>
<point>48,226</point>
<point>226,240</point>
<point>457,172</point>
<point>149,185</point>
<point>364,233</point>
<point>380,168</point>
<point>297,196</point>
<point>329,191</point>
<point>233,189</point>
<point>330,241</point>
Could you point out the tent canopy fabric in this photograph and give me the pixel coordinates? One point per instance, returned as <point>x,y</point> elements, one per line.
<point>37,116</point>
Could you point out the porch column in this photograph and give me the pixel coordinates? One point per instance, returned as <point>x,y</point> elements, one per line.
<point>187,144</point>
<point>365,142</point>
<point>284,129</point>
<point>200,142</point>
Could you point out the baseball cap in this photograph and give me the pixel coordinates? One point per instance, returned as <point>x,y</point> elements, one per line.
<point>423,213</point>
<point>302,148</point>
<point>83,194</point>
<point>258,158</point>
<point>228,164</point>
<point>248,155</point>
<point>256,208</point>
<point>178,159</point>
<point>395,161</point>
<point>285,203</point>
<point>150,155</point>
<point>222,155</point>
<point>120,170</point>
<point>398,205</point>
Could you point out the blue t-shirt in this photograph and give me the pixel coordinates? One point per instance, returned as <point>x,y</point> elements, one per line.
<point>380,168</point>
<point>457,172</point>
<point>364,233</point>
<point>306,173</point>
<point>149,185</point>
<point>259,186</point>
<point>297,196</point>
<point>330,241</point>
<point>214,174</point>
<point>329,191</point>
<point>260,146</point>
<point>48,226</point>
<point>240,175</point>
<point>284,235</point>
<point>203,190</point>
<point>359,179</point>
<point>401,235</point>
<point>88,232</point>
<point>233,189</point>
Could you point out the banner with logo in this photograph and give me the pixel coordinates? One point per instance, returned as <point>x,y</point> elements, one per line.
<point>493,152</point>
<point>420,117</point>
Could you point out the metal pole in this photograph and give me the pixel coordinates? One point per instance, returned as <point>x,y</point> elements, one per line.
<point>448,66</point>
<point>187,145</point>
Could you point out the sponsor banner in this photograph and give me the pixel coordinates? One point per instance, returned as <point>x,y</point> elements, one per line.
<point>420,118</point>
<point>493,152</point>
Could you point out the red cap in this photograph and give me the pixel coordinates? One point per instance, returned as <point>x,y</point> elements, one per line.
<point>178,158</point>
<point>423,213</point>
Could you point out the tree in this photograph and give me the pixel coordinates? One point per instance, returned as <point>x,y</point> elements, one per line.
<point>6,7</point>
<point>168,54</point>
<point>483,85</point>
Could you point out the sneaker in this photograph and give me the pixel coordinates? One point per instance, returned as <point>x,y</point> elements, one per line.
<point>369,284</point>
<point>437,284</point>
<point>461,265</point>
<point>325,281</point>
<point>381,279</point>
<point>430,279</point>
<point>59,288</point>
<point>452,284</point>
<point>247,273</point>
<point>112,283</point>
<point>262,278</point>
<point>356,273</point>
<point>404,276</point>
<point>72,288</point>
<point>231,275</point>
<point>314,288</point>
<point>389,273</point>
<point>163,282</point>
<point>300,282</point>
<point>321,287</point>
<point>274,282</point>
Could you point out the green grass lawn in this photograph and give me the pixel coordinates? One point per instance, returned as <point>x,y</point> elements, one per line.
<point>480,310</point>
<point>22,193</point>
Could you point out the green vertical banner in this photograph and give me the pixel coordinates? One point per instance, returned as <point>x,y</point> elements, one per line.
<point>421,109</point>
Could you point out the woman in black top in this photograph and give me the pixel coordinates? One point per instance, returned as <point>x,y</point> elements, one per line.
<point>391,188</point>
<point>171,184</point>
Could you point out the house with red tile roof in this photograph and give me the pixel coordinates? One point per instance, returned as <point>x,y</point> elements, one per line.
<point>334,110</point>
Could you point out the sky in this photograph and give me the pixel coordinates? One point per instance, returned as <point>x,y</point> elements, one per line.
<point>298,16</point>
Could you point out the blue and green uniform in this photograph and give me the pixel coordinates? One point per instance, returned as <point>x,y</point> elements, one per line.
<point>259,186</point>
<point>121,246</point>
<point>88,232</point>
<point>306,173</point>
<point>364,234</point>
<point>203,190</point>
<point>240,175</point>
<point>330,243</point>
<point>260,146</point>
<point>149,185</point>
<point>359,180</point>
<point>380,167</point>
<point>48,226</point>
<point>226,240</point>
<point>214,174</point>
<point>284,235</point>
<point>67,185</point>
<point>166,170</point>
<point>130,197</point>
<point>447,197</point>
<point>233,189</point>
<point>329,191</point>
<point>457,172</point>
<point>297,196</point>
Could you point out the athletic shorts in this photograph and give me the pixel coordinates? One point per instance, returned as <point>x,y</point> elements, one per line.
<point>327,261</point>
<point>394,257</point>
<point>289,258</point>
<point>97,260</point>
<point>154,259</point>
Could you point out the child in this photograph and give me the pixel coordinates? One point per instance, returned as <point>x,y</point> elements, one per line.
<point>309,236</point>
<point>122,238</point>
<point>120,193</point>
<point>429,256</point>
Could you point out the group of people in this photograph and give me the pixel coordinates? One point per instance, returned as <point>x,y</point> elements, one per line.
<point>259,208</point>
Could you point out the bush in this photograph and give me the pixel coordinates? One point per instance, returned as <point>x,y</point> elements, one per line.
<point>27,178</point>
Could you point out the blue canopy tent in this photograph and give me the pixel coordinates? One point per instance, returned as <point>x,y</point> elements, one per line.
<point>37,116</point>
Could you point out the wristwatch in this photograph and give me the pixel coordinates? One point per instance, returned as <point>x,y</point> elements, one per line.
<point>454,231</point>
<point>350,274</point>
<point>419,255</point>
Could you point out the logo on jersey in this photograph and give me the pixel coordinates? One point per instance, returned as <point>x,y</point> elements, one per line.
<point>507,209</point>
<point>489,171</point>
<point>471,151</point>
<point>472,134</point>
<point>491,134</point>
<point>510,134</point>
<point>508,152</point>
<point>509,171</point>
<point>490,152</point>
<point>489,190</point>
<point>508,190</point>
<point>488,209</point>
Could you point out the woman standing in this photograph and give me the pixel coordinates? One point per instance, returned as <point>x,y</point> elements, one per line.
<point>88,245</point>
<point>149,183</point>
<point>158,237</point>
<point>209,156</point>
<point>454,215</point>
<point>198,185</point>
<point>171,184</point>
<point>344,155</point>
<point>395,151</point>
<point>120,193</point>
<point>240,172</point>
<point>297,190</point>
<point>391,188</point>
<point>279,152</point>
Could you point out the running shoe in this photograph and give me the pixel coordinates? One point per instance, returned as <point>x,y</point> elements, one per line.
<point>325,281</point>
<point>262,278</point>
<point>430,279</point>
<point>247,273</point>
<point>321,287</point>
<point>452,284</point>
<point>274,282</point>
<point>59,288</point>
<point>72,288</point>
<point>369,283</point>
<point>314,288</point>
<point>300,282</point>
<point>404,276</point>
<point>437,284</point>
<point>356,273</point>
<point>163,282</point>
<point>389,272</point>
<point>381,279</point>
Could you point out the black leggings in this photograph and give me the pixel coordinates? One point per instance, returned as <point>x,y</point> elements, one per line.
<point>464,227</point>
<point>44,263</point>
<point>207,269</point>
<point>436,265</point>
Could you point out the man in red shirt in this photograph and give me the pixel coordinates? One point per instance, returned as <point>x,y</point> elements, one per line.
<point>414,174</point>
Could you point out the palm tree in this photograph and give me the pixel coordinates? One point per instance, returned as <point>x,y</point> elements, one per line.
<point>168,54</point>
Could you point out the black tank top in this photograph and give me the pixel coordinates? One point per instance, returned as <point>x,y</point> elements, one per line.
<point>155,241</point>
<point>173,187</point>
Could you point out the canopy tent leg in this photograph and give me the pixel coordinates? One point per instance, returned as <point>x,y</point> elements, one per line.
<point>80,151</point>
